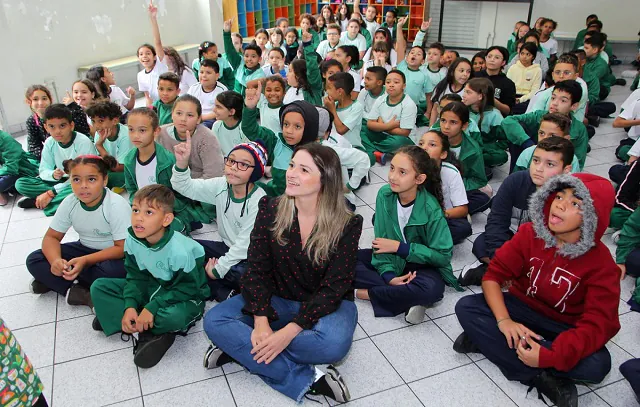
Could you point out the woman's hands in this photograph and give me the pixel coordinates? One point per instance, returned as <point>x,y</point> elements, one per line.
<point>267,345</point>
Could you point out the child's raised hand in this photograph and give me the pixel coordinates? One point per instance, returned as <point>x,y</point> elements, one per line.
<point>58,267</point>
<point>425,25</point>
<point>153,10</point>
<point>183,152</point>
<point>144,322</point>
<point>67,99</point>
<point>211,264</point>
<point>402,21</point>
<point>129,321</point>
<point>252,96</point>
<point>131,91</point>
<point>226,26</point>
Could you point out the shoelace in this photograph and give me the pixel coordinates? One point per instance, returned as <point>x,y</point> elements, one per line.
<point>125,337</point>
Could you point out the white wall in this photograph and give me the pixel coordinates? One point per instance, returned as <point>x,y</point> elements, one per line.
<point>46,41</point>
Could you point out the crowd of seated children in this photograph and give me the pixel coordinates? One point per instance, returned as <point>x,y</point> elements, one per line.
<point>290,106</point>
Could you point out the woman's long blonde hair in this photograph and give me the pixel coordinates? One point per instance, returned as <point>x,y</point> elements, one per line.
<point>332,214</point>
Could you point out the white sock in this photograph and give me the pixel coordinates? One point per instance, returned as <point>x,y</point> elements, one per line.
<point>319,374</point>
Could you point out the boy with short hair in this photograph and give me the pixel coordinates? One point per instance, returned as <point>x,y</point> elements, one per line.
<point>374,80</point>
<point>551,157</point>
<point>15,163</point>
<point>596,66</point>
<point>247,66</point>
<point>347,113</point>
<point>579,41</point>
<point>566,68</point>
<point>561,309</point>
<point>207,89</point>
<point>283,24</point>
<point>327,47</point>
<point>505,90</point>
<point>390,20</point>
<point>521,130</point>
<point>165,289</point>
<point>432,68</point>
<point>271,102</point>
<point>168,91</point>
<point>276,65</point>
<point>48,189</point>
<point>370,17</point>
<point>552,125</point>
<point>112,137</point>
<point>390,121</point>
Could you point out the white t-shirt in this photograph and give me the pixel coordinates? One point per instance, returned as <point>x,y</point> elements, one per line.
<point>266,68</point>
<point>371,63</point>
<point>372,26</point>
<point>635,95</point>
<point>207,99</point>
<point>359,42</point>
<point>452,186</point>
<point>188,79</point>
<point>97,227</point>
<point>632,113</point>
<point>357,81</point>
<point>146,172</point>
<point>269,116</point>
<point>448,91</point>
<point>118,97</point>
<point>405,111</point>
<point>551,46</point>
<point>324,48</point>
<point>148,81</point>
<point>344,24</point>
<point>404,213</point>
<point>367,100</point>
<point>292,95</point>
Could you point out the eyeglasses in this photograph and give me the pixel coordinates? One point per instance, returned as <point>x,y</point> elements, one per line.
<point>333,34</point>
<point>241,166</point>
<point>563,73</point>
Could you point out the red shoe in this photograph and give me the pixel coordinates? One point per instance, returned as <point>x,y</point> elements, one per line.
<point>380,157</point>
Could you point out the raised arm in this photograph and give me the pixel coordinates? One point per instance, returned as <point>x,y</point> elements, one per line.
<point>157,42</point>
<point>401,43</point>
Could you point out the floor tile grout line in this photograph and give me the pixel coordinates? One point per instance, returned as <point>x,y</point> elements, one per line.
<point>55,336</point>
<point>226,379</point>
<point>121,401</point>
<point>496,384</point>
<point>90,356</point>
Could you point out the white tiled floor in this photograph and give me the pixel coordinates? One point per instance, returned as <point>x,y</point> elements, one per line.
<point>390,363</point>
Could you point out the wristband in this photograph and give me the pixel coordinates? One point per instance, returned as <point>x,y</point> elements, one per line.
<point>503,319</point>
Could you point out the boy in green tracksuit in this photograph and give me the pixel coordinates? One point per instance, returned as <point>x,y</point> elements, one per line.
<point>15,163</point>
<point>165,289</point>
<point>246,65</point>
<point>111,138</point>
<point>150,163</point>
<point>522,130</point>
<point>299,121</point>
<point>48,189</point>
<point>596,66</point>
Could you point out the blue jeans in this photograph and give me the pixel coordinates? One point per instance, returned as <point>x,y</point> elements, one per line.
<point>292,372</point>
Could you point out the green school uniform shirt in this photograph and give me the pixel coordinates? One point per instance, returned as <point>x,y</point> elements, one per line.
<point>491,121</point>
<point>172,269</point>
<point>242,73</point>
<point>164,111</point>
<point>520,128</point>
<point>14,160</point>
<point>119,145</point>
<point>426,233</point>
<point>599,69</point>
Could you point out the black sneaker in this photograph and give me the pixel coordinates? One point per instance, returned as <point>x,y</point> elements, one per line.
<point>96,325</point>
<point>331,385</point>
<point>27,203</point>
<point>620,82</point>
<point>561,392</point>
<point>594,120</point>
<point>463,344</point>
<point>149,349</point>
<point>215,357</point>
<point>79,295</point>
<point>37,287</point>
<point>472,274</point>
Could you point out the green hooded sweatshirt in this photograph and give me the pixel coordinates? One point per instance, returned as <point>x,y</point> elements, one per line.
<point>427,232</point>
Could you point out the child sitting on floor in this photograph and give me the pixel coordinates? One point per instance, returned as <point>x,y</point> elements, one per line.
<point>551,327</point>
<point>165,287</point>
<point>15,163</point>
<point>101,219</point>
<point>410,260</point>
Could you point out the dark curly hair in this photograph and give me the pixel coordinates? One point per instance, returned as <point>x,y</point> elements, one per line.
<point>423,164</point>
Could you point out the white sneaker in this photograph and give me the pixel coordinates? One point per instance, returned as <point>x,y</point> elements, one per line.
<point>415,314</point>
<point>468,267</point>
<point>615,237</point>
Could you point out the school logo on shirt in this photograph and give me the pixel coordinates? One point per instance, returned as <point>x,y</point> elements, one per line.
<point>99,233</point>
<point>152,179</point>
<point>237,224</point>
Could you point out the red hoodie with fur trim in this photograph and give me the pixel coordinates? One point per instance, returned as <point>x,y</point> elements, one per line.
<point>578,284</point>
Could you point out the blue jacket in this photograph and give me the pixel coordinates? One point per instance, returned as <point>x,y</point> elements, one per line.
<point>511,201</point>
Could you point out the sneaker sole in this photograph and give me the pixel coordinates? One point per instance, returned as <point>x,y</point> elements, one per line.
<point>207,355</point>
<point>146,359</point>
<point>337,385</point>
<point>415,315</point>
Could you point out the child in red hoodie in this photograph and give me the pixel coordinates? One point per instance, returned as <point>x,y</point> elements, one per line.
<point>562,305</point>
